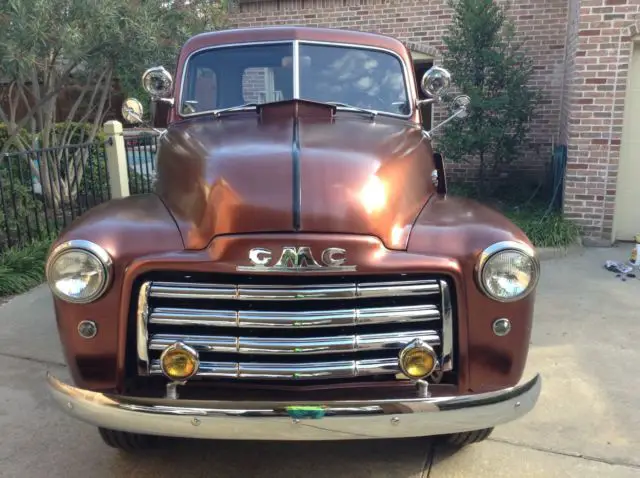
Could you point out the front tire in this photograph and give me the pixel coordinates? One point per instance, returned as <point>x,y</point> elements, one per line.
<point>125,441</point>
<point>459,440</point>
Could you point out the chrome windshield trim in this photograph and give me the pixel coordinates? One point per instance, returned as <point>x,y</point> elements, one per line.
<point>296,346</point>
<point>296,67</point>
<point>447,327</point>
<point>293,371</point>
<point>297,319</point>
<point>142,320</point>
<point>185,290</point>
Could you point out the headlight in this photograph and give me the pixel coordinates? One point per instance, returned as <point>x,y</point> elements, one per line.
<point>79,271</point>
<point>508,271</point>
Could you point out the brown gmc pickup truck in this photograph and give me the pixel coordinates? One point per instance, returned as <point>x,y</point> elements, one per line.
<point>299,272</point>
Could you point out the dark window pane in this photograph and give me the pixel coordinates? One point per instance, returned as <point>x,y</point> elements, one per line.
<point>359,77</point>
<point>231,76</point>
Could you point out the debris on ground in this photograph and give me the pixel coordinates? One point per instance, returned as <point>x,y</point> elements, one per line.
<point>619,267</point>
<point>622,270</point>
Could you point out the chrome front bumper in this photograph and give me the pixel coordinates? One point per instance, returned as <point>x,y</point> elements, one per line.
<point>338,420</point>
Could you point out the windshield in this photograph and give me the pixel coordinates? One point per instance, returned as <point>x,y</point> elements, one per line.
<point>225,77</point>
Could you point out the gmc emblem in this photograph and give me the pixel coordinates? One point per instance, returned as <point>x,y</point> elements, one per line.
<point>297,259</point>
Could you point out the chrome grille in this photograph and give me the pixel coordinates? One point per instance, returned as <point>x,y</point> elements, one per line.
<point>310,331</point>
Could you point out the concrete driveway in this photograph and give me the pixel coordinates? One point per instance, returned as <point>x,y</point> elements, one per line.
<point>587,422</point>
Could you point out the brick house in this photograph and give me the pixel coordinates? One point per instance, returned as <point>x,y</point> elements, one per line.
<point>585,62</point>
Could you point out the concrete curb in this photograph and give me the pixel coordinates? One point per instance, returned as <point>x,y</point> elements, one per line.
<point>548,253</point>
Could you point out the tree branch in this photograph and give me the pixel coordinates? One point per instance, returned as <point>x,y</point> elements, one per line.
<point>106,93</point>
<point>41,100</point>
<point>71,129</point>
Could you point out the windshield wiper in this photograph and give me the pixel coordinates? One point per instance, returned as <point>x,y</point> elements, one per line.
<point>245,106</point>
<point>337,104</point>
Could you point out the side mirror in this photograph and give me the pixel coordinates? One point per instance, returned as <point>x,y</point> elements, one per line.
<point>434,82</point>
<point>132,111</point>
<point>460,106</point>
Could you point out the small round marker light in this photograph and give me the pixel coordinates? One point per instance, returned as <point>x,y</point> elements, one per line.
<point>501,327</point>
<point>417,360</point>
<point>179,362</point>
<point>87,329</point>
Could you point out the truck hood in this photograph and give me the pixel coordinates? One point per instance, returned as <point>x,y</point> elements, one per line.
<point>294,167</point>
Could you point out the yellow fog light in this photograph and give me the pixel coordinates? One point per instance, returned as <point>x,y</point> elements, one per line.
<point>417,360</point>
<point>179,361</point>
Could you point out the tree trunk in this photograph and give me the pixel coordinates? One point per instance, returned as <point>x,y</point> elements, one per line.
<point>481,177</point>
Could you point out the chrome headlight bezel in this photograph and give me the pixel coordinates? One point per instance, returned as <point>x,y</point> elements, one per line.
<point>508,246</point>
<point>86,247</point>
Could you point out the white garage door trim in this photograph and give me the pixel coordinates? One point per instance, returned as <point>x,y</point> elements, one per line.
<point>626,215</point>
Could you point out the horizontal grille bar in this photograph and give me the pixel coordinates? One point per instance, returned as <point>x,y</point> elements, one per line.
<point>312,370</point>
<point>307,345</point>
<point>181,290</point>
<point>326,330</point>
<point>280,319</point>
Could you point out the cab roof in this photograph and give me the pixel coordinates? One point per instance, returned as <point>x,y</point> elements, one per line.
<point>283,33</point>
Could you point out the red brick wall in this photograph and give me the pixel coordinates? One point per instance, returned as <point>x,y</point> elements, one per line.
<point>252,85</point>
<point>602,54</point>
<point>570,55</point>
<point>422,23</point>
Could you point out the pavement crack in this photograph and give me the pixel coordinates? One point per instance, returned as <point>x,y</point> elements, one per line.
<point>31,359</point>
<point>568,454</point>
<point>428,461</point>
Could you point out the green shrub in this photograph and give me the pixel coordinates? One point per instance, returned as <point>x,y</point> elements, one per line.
<point>139,183</point>
<point>23,268</point>
<point>95,177</point>
<point>551,230</point>
<point>525,208</point>
<point>4,136</point>
<point>80,133</point>
<point>22,214</point>
<point>489,63</point>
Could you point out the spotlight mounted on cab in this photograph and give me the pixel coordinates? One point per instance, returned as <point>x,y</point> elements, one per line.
<point>434,84</point>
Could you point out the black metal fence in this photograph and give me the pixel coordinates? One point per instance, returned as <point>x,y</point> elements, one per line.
<point>42,191</point>
<point>141,152</point>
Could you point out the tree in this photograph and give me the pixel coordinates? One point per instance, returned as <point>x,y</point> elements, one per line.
<point>51,46</point>
<point>488,63</point>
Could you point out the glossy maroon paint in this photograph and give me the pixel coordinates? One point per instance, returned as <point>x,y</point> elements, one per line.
<point>227,185</point>
<point>461,228</point>
<point>485,362</point>
<point>357,176</point>
<point>127,229</point>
